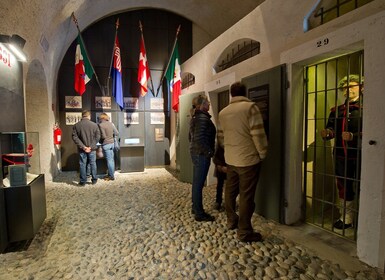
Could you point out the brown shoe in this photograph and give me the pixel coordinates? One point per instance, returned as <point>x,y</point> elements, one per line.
<point>252,237</point>
<point>232,226</point>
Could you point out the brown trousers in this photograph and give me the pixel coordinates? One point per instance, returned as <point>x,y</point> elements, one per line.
<point>241,181</point>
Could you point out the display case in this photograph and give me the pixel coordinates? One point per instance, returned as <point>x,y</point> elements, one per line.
<point>132,155</point>
<point>20,148</point>
<point>23,186</point>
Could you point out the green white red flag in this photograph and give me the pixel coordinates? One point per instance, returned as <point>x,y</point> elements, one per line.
<point>83,68</point>
<point>173,76</point>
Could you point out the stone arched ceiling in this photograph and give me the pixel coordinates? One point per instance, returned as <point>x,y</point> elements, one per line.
<point>47,27</point>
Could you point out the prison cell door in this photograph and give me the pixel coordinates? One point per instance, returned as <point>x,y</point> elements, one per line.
<point>268,89</point>
<point>332,166</point>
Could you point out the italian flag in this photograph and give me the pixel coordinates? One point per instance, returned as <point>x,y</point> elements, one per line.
<point>83,68</point>
<point>173,75</point>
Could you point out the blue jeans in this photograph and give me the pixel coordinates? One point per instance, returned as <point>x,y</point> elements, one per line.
<point>201,166</point>
<point>85,158</point>
<point>108,151</point>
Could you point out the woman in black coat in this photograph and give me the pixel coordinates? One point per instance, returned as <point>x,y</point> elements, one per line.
<point>202,146</point>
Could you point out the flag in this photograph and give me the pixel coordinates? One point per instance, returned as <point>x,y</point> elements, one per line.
<point>116,72</point>
<point>83,68</point>
<point>173,78</point>
<point>143,70</point>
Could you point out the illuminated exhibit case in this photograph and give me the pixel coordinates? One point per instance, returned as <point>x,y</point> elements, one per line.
<point>22,185</point>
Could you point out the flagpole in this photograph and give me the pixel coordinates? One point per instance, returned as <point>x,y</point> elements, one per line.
<point>85,49</point>
<point>112,57</point>
<point>168,63</point>
<point>141,32</point>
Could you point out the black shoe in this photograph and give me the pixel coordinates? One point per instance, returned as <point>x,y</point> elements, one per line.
<point>94,181</point>
<point>340,225</point>
<point>204,218</point>
<point>81,184</point>
<point>253,237</point>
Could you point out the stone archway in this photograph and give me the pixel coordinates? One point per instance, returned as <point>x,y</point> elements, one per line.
<point>37,115</point>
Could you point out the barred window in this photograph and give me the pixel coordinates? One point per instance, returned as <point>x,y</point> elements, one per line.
<point>328,10</point>
<point>188,79</point>
<point>237,52</point>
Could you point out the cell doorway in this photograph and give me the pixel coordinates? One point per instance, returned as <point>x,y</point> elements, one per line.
<point>332,143</point>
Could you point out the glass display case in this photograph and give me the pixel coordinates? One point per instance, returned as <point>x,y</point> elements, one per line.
<point>20,155</point>
<point>22,185</point>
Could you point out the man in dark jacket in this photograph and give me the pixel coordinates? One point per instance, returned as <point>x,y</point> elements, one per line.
<point>202,145</point>
<point>86,135</point>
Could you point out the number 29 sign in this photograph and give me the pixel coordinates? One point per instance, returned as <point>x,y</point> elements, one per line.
<point>323,42</point>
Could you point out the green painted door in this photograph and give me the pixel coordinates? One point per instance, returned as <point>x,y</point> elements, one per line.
<point>268,90</point>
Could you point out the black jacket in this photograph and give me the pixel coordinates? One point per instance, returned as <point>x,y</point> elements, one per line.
<point>346,118</point>
<point>202,134</point>
<point>86,133</point>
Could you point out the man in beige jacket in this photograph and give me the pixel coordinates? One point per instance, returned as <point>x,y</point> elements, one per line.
<point>242,134</point>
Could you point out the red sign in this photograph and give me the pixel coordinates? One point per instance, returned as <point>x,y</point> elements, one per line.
<point>5,56</point>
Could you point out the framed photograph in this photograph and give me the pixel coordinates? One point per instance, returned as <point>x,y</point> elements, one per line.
<point>131,103</point>
<point>260,95</point>
<point>73,117</point>
<point>157,118</point>
<point>98,114</point>
<point>159,134</point>
<point>156,103</point>
<point>131,118</point>
<point>102,102</point>
<point>73,102</point>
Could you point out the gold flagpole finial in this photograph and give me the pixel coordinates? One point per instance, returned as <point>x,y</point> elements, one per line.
<point>74,18</point>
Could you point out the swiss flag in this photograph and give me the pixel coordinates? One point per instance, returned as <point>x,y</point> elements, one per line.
<point>143,70</point>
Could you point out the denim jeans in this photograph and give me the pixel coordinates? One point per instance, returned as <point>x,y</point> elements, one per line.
<point>201,166</point>
<point>108,151</point>
<point>85,158</point>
